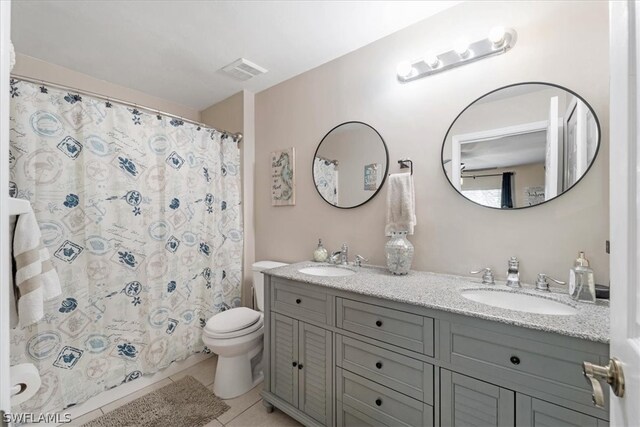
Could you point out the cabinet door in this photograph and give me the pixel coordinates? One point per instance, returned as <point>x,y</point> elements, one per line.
<point>315,352</point>
<point>465,401</point>
<point>532,412</point>
<point>284,358</point>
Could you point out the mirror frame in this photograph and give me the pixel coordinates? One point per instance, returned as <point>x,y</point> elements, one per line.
<point>595,155</point>
<point>386,169</point>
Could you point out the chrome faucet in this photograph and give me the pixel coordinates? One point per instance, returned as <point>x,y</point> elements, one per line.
<point>487,276</point>
<point>357,262</point>
<point>340,257</point>
<point>543,285</point>
<point>513,273</point>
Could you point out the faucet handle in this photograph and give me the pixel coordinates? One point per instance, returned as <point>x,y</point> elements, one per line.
<point>487,276</point>
<point>543,285</point>
<point>359,259</point>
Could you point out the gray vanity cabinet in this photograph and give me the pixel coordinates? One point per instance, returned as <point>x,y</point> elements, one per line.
<point>465,401</point>
<point>301,366</point>
<point>338,358</point>
<point>531,412</point>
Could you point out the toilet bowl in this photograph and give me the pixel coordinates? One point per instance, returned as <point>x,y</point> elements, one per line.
<point>236,336</point>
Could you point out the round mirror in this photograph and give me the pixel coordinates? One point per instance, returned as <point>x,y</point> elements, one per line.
<point>350,165</point>
<point>521,145</point>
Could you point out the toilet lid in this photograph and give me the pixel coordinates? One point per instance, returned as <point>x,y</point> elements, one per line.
<point>232,320</point>
<point>236,334</point>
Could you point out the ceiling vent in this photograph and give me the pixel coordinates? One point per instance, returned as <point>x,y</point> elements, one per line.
<point>241,69</point>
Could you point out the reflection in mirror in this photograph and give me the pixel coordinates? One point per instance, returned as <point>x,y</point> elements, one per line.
<point>350,165</point>
<point>521,145</point>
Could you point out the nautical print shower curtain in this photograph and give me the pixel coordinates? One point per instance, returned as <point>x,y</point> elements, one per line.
<point>325,175</point>
<point>141,215</point>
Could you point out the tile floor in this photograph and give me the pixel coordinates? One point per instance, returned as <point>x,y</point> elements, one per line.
<point>245,411</point>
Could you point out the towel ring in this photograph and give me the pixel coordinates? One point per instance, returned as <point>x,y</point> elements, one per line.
<point>403,164</point>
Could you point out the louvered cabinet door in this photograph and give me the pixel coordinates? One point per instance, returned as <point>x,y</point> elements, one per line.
<point>316,388</point>
<point>467,402</point>
<point>284,358</point>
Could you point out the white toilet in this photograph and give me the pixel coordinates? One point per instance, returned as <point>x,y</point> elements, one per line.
<point>236,337</point>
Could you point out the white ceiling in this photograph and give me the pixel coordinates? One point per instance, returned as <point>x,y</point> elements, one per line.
<point>175,49</point>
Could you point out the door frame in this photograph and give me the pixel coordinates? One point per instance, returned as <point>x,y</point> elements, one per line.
<point>5,252</point>
<point>624,214</point>
<point>457,141</point>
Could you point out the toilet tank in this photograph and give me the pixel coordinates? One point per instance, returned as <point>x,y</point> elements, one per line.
<point>258,279</point>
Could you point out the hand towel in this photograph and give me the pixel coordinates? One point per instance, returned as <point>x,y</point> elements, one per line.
<point>36,279</point>
<point>401,205</point>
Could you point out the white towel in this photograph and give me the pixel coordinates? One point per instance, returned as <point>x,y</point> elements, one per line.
<point>36,279</point>
<point>401,204</point>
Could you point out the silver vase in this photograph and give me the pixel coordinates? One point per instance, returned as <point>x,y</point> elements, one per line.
<point>399,253</point>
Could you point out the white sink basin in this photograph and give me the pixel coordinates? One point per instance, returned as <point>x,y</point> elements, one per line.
<point>519,302</point>
<point>327,271</point>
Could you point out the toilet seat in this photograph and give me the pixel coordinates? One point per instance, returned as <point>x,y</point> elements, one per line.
<point>233,323</point>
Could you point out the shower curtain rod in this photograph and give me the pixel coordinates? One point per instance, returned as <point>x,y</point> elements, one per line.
<point>237,135</point>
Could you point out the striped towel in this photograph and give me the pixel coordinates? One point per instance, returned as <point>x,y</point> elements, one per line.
<point>36,279</point>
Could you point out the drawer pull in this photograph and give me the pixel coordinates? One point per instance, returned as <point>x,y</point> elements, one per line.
<point>379,402</point>
<point>379,365</point>
<point>515,360</point>
<point>295,364</point>
<point>378,323</point>
<point>300,366</point>
<point>298,301</point>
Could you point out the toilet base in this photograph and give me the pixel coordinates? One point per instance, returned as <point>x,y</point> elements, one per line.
<point>237,375</point>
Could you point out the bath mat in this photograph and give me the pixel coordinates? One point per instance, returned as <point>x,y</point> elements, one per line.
<point>184,403</point>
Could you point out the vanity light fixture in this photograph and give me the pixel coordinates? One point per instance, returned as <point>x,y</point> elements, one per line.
<point>432,61</point>
<point>499,41</point>
<point>405,69</point>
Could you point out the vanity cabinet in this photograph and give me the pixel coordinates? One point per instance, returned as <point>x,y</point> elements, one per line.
<point>301,366</point>
<point>337,358</point>
<point>532,412</point>
<point>465,401</point>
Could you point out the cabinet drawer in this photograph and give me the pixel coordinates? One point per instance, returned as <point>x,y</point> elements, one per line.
<point>395,327</point>
<point>553,370</point>
<point>300,302</point>
<point>376,402</point>
<point>396,371</point>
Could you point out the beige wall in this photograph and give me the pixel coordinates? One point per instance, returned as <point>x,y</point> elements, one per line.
<point>236,114</point>
<point>556,43</point>
<point>227,114</point>
<point>28,66</point>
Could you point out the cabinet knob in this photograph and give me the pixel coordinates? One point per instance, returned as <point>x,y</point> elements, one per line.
<point>379,365</point>
<point>379,402</point>
<point>300,366</point>
<point>378,323</point>
<point>298,301</point>
<point>295,364</point>
<point>515,360</point>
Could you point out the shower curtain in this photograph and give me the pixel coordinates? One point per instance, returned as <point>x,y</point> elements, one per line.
<point>325,175</point>
<point>141,215</point>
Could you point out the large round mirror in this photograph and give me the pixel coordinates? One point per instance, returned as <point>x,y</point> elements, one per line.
<point>521,145</point>
<point>350,165</point>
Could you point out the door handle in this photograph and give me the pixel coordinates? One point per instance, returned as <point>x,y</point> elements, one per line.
<point>612,374</point>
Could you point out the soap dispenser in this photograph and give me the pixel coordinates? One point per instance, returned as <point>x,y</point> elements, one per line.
<point>320,254</point>
<point>582,286</point>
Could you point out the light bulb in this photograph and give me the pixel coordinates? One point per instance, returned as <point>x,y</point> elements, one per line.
<point>462,48</point>
<point>432,61</point>
<point>404,69</point>
<point>496,36</point>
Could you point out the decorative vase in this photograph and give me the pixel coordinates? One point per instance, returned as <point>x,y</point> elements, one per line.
<point>399,253</point>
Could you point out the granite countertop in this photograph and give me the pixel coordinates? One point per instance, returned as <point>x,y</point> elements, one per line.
<point>442,292</point>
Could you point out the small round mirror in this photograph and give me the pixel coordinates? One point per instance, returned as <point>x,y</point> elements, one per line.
<point>350,165</point>
<point>521,145</point>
